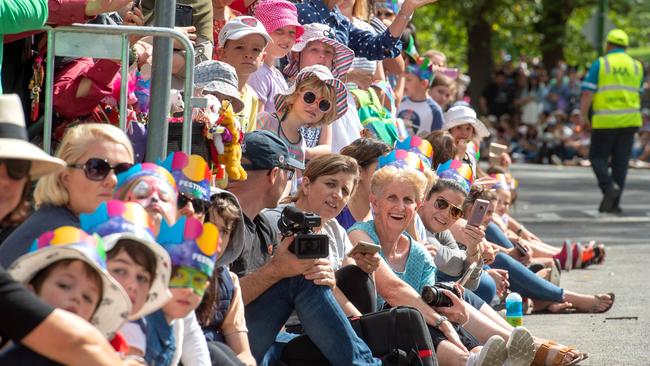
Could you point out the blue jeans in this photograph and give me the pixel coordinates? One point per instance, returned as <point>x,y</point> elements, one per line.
<point>321,317</point>
<point>497,236</point>
<point>487,288</point>
<point>525,282</point>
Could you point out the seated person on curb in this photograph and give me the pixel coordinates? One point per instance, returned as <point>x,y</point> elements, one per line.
<point>272,277</point>
<point>221,313</point>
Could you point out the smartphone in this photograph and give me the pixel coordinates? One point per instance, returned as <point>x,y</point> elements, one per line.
<point>478,212</point>
<point>183,15</point>
<point>495,153</point>
<point>364,247</point>
<point>463,280</point>
<point>520,248</point>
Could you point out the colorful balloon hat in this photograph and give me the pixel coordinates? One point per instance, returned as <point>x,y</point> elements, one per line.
<point>502,182</point>
<point>69,242</point>
<point>418,145</point>
<point>191,173</point>
<point>191,243</point>
<point>402,159</point>
<point>118,220</point>
<point>145,170</point>
<point>423,69</point>
<point>457,171</point>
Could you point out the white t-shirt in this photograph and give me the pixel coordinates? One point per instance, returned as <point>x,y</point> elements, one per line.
<point>347,128</point>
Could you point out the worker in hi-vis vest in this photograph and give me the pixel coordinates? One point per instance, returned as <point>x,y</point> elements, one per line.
<point>612,89</point>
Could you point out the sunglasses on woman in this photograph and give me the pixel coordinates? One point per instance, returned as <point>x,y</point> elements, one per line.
<point>200,206</point>
<point>17,169</point>
<point>442,204</point>
<point>310,97</point>
<point>97,169</point>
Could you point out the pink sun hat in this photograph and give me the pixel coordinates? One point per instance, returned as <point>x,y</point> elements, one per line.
<point>275,14</point>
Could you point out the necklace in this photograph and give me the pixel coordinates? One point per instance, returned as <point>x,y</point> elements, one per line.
<point>281,130</point>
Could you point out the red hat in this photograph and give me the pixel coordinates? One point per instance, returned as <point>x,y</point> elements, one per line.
<point>275,14</point>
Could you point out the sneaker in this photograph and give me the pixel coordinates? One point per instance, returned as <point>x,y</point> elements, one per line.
<point>520,347</point>
<point>493,353</point>
<point>565,256</point>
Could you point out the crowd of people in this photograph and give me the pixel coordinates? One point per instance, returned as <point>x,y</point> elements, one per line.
<point>336,178</point>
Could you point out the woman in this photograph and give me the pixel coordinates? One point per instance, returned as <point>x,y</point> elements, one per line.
<point>546,295</point>
<point>94,154</point>
<point>366,152</point>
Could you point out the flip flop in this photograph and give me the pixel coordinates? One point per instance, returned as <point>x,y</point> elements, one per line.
<point>599,297</point>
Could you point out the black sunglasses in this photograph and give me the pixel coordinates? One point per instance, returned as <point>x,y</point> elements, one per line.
<point>442,204</point>
<point>97,169</point>
<point>17,169</point>
<point>199,206</point>
<point>309,98</point>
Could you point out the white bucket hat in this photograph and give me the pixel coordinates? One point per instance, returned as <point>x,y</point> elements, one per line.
<point>14,143</point>
<point>69,242</point>
<point>325,75</point>
<point>343,56</point>
<point>461,115</point>
<point>117,220</point>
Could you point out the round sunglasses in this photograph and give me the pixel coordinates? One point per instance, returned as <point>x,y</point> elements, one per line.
<point>17,169</point>
<point>97,169</point>
<point>442,204</point>
<point>310,97</point>
<point>199,206</point>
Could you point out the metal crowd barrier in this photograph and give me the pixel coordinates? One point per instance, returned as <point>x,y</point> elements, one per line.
<point>111,42</point>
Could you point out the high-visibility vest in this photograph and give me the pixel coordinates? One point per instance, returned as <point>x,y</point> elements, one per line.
<point>617,103</point>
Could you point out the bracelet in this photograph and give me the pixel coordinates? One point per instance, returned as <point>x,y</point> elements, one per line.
<point>407,17</point>
<point>439,322</point>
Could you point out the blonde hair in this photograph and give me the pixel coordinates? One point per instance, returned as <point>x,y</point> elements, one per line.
<point>390,174</point>
<point>361,10</point>
<point>326,91</point>
<point>329,164</point>
<point>76,140</point>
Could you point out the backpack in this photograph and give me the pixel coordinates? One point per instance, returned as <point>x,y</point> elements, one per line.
<point>398,336</point>
<point>374,117</point>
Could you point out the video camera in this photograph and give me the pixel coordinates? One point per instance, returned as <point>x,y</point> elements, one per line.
<point>306,244</point>
<point>434,296</point>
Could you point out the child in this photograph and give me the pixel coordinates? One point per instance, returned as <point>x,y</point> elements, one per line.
<point>221,313</point>
<point>192,176</point>
<point>442,90</point>
<point>66,268</point>
<point>316,98</point>
<point>192,247</point>
<point>241,44</point>
<point>219,79</point>
<point>135,260</point>
<point>467,131</point>
<point>421,113</point>
<point>280,18</point>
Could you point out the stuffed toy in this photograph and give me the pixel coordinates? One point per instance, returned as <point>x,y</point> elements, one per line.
<point>232,139</point>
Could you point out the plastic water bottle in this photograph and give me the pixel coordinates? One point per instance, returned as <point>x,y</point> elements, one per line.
<point>514,312</point>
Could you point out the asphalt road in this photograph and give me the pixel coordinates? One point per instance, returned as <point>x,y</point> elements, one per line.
<point>560,203</point>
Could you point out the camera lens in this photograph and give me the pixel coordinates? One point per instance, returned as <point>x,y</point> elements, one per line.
<point>434,296</point>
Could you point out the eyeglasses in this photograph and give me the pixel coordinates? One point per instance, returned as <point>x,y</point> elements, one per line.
<point>310,97</point>
<point>442,204</point>
<point>97,169</point>
<point>290,172</point>
<point>200,206</point>
<point>384,14</point>
<point>185,277</point>
<point>145,188</point>
<point>17,169</point>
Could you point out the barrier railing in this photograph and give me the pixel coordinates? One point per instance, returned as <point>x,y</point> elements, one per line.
<point>111,42</point>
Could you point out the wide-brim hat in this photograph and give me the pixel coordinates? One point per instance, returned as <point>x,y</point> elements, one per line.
<point>323,74</point>
<point>219,78</point>
<point>461,115</point>
<point>343,56</point>
<point>114,306</point>
<point>14,143</point>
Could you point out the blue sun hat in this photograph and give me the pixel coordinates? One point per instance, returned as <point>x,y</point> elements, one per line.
<point>118,220</point>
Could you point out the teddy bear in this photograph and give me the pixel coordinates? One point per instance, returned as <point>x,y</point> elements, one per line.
<point>232,139</point>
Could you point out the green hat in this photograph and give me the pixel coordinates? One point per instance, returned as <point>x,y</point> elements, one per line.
<point>618,37</point>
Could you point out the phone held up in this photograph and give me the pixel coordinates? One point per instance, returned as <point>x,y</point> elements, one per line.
<point>478,212</point>
<point>364,247</point>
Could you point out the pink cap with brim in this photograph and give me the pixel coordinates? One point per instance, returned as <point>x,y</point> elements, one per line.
<point>275,14</point>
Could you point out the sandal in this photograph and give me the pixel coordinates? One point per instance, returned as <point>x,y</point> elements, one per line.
<point>594,308</point>
<point>542,353</point>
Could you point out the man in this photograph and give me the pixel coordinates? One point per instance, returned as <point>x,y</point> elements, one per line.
<point>614,84</point>
<point>271,277</point>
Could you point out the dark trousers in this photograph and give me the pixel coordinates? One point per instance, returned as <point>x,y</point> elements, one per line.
<point>617,144</point>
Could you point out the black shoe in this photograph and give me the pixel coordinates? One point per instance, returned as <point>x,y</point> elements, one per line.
<point>610,198</point>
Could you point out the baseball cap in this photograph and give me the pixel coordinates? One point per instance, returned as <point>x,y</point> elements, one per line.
<point>242,27</point>
<point>618,37</point>
<point>265,150</point>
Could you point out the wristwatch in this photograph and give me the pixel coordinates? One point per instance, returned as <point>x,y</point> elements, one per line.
<point>439,321</point>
